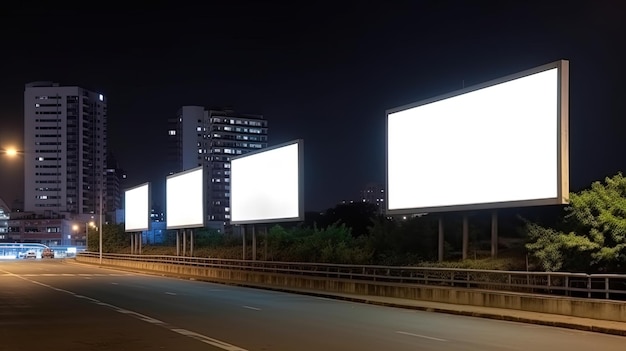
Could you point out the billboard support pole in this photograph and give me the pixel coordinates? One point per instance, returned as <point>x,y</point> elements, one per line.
<point>243,240</point>
<point>465,236</point>
<point>139,241</point>
<point>184,242</point>
<point>265,243</point>
<point>191,242</point>
<point>132,244</point>
<point>177,243</point>
<point>253,242</point>
<point>494,234</point>
<point>440,240</point>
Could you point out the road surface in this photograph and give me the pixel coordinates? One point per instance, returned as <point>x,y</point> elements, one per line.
<point>59,305</point>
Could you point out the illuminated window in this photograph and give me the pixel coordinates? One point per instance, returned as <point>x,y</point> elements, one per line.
<point>198,129</point>
<point>171,132</point>
<point>101,97</point>
<point>199,151</point>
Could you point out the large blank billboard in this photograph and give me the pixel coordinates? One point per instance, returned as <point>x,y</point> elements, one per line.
<point>266,185</point>
<point>503,143</point>
<point>184,199</point>
<point>137,208</point>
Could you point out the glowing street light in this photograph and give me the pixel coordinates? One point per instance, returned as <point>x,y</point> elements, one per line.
<point>87,225</point>
<point>10,152</point>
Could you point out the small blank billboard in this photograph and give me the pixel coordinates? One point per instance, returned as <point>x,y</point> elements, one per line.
<point>503,143</point>
<point>184,199</point>
<point>266,185</point>
<point>137,208</point>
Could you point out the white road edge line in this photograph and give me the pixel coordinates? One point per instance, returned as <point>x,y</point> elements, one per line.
<point>421,336</point>
<point>203,338</point>
<point>251,308</point>
<point>170,293</point>
<point>207,340</point>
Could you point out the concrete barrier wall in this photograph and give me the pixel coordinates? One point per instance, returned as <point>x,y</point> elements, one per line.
<point>576,307</point>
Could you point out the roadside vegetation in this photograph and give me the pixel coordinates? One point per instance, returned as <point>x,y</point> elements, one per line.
<point>588,235</point>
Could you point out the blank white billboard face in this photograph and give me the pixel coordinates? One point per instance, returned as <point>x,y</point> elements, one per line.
<point>184,194</point>
<point>265,186</point>
<point>137,208</point>
<point>496,145</point>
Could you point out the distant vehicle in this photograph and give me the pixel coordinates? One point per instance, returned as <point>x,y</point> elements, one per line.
<point>47,253</point>
<point>30,254</point>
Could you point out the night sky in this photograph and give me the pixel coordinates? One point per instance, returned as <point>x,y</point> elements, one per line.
<point>321,71</point>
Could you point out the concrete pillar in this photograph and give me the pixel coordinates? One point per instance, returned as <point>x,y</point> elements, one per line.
<point>132,244</point>
<point>139,241</point>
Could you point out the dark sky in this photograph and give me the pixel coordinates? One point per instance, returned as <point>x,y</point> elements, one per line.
<point>321,71</point>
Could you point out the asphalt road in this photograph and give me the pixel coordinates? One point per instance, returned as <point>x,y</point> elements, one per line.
<point>57,305</point>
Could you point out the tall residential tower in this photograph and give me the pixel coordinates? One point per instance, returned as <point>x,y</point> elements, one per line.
<point>209,138</point>
<point>65,149</point>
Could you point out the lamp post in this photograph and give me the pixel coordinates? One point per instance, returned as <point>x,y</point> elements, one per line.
<point>75,229</point>
<point>87,225</point>
<point>100,234</point>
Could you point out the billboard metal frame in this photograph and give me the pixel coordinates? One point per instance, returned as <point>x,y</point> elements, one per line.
<point>203,189</point>
<point>300,143</point>
<point>562,146</point>
<point>147,214</point>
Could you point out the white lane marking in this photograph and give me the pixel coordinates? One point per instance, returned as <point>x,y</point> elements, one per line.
<point>169,293</point>
<point>421,336</point>
<point>207,340</point>
<point>114,283</point>
<point>203,338</point>
<point>251,308</point>
<point>138,316</point>
<point>86,298</point>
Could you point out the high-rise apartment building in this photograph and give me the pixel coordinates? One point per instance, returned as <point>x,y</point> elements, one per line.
<point>209,138</point>
<point>65,149</point>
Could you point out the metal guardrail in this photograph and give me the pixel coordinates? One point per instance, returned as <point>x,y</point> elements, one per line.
<point>602,286</point>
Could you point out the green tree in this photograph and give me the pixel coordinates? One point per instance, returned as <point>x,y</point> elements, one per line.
<point>593,234</point>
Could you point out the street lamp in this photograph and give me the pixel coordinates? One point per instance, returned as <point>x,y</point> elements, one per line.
<point>75,229</point>
<point>100,210</point>
<point>87,225</point>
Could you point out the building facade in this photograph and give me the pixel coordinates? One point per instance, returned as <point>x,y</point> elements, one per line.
<point>65,149</point>
<point>5,212</point>
<point>209,138</point>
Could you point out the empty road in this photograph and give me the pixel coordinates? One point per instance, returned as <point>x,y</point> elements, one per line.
<point>60,305</point>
